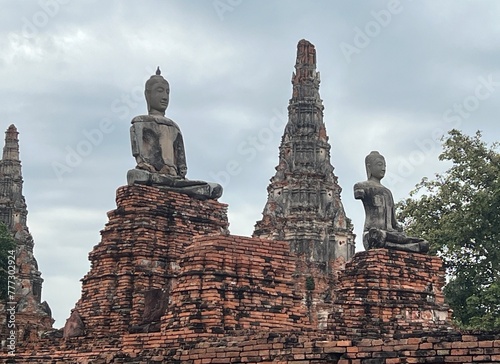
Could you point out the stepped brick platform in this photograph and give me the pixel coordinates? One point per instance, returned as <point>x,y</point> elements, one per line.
<point>232,283</point>
<point>138,257</point>
<point>387,293</point>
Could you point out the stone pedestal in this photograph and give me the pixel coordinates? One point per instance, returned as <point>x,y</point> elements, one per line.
<point>388,294</point>
<point>138,257</point>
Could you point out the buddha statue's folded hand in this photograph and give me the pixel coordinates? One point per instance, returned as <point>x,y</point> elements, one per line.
<point>146,166</point>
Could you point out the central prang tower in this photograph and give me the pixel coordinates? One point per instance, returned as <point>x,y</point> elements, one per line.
<point>304,206</point>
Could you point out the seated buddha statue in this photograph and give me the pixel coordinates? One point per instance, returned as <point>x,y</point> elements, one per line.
<point>381,230</point>
<point>158,147</point>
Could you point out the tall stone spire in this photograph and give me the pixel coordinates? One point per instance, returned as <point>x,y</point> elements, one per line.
<point>304,205</point>
<point>32,316</point>
<point>12,205</point>
<point>11,148</point>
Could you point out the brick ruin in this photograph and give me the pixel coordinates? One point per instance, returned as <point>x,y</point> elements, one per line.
<point>168,283</point>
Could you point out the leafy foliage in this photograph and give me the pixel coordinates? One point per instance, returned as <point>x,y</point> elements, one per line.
<point>7,247</point>
<point>459,213</point>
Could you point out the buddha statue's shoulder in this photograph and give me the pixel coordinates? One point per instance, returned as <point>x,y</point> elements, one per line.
<point>142,119</point>
<point>160,120</point>
<point>371,186</point>
<point>362,185</point>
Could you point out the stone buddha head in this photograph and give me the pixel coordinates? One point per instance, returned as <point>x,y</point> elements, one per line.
<point>375,165</point>
<point>157,94</point>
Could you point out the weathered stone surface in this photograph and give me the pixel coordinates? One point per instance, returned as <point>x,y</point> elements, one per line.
<point>155,304</point>
<point>381,230</point>
<point>74,325</point>
<point>158,147</point>
<point>33,317</point>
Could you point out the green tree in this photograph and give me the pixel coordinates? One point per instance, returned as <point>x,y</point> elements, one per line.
<point>7,250</point>
<point>459,213</point>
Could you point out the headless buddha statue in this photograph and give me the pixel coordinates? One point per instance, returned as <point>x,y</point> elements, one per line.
<point>158,147</point>
<point>381,229</point>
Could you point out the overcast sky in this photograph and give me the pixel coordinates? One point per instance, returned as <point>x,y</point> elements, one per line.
<point>396,75</point>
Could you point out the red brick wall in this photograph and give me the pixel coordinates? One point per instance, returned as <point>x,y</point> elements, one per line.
<point>229,283</point>
<point>274,347</point>
<point>141,247</point>
<point>388,293</point>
